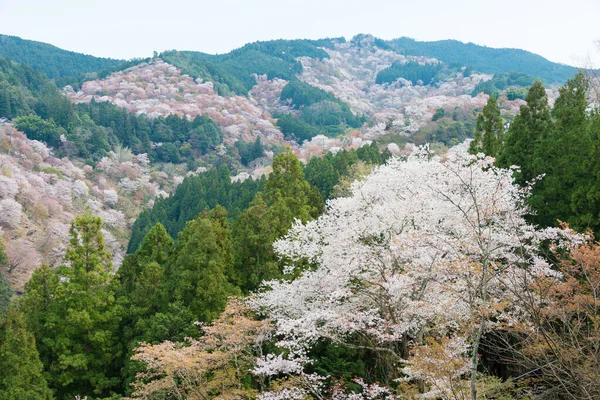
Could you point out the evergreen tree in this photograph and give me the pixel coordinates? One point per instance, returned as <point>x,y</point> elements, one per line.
<point>565,157</point>
<point>489,130</point>
<point>321,173</point>
<point>253,235</point>
<point>287,196</point>
<point>21,371</point>
<point>526,133</point>
<point>288,191</point>
<point>141,295</point>
<point>73,315</point>
<point>197,274</point>
<point>5,288</point>
<point>6,293</point>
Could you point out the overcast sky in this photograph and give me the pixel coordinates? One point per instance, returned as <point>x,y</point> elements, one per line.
<point>561,31</point>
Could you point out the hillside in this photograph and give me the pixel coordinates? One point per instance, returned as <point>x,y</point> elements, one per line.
<point>50,60</point>
<point>486,59</point>
<point>40,194</point>
<point>333,94</point>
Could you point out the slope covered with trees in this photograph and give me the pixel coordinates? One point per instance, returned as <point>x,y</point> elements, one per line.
<point>232,72</point>
<point>50,60</point>
<point>486,59</point>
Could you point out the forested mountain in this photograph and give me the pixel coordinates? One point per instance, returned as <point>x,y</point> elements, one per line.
<point>50,60</point>
<point>233,71</point>
<point>486,59</point>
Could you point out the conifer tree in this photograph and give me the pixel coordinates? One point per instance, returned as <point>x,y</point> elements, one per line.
<point>5,288</point>
<point>526,133</point>
<point>74,318</point>
<point>489,130</point>
<point>289,194</point>
<point>5,108</point>
<point>197,274</point>
<point>253,236</point>
<point>21,371</point>
<point>564,158</point>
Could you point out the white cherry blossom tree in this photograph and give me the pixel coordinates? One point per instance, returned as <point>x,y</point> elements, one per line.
<point>426,254</point>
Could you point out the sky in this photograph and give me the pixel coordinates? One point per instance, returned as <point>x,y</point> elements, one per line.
<point>561,31</point>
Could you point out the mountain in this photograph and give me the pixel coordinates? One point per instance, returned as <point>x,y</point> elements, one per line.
<point>486,59</point>
<point>233,71</point>
<point>51,60</point>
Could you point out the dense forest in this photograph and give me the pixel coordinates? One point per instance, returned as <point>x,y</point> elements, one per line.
<point>51,61</point>
<point>91,130</point>
<point>485,59</point>
<point>321,112</point>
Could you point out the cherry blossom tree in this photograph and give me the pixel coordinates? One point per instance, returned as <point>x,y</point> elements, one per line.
<point>214,366</point>
<point>10,213</point>
<point>425,251</point>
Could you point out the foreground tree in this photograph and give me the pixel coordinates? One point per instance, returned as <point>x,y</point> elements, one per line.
<point>214,366</point>
<point>287,197</point>
<point>199,274</point>
<point>21,372</point>
<point>72,313</point>
<point>424,251</point>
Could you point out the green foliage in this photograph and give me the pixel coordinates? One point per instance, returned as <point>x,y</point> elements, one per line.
<point>6,294</point>
<point>287,196</point>
<point>567,155</point>
<point>197,276</point>
<point>489,130</point>
<point>485,59</point>
<point>296,129</point>
<point>502,81</point>
<point>418,74</point>
<point>249,152</point>
<point>325,173</point>
<point>563,146</point>
<point>253,236</point>
<point>148,316</point>
<point>168,152</point>
<point>37,128</point>
<point>527,131</point>
<point>301,94</point>
<point>93,128</point>
<point>329,115</point>
<point>233,72</point>
<point>194,195</point>
<point>439,113</point>
<point>21,371</point>
<point>340,362</point>
<point>516,93</point>
<point>74,318</point>
<point>321,112</point>
<point>288,191</point>
<point>50,60</point>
